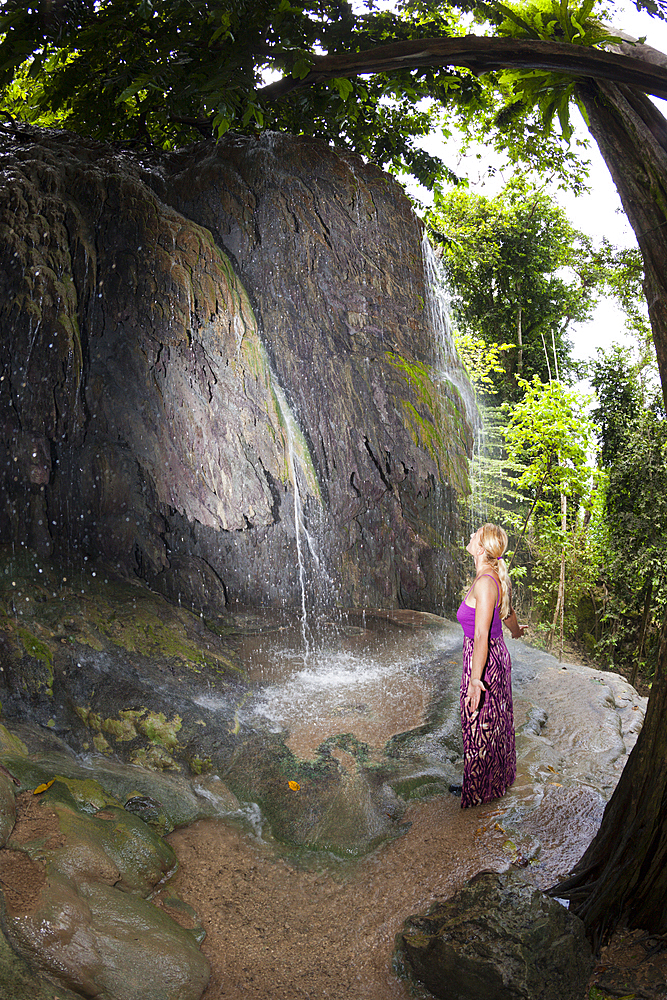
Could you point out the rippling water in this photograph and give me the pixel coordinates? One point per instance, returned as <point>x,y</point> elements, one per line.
<point>364,674</point>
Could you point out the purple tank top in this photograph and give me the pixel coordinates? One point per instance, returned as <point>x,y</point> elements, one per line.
<point>466,616</point>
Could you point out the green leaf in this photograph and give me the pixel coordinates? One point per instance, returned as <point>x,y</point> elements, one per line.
<point>302,67</point>
<point>343,86</point>
<point>134,88</point>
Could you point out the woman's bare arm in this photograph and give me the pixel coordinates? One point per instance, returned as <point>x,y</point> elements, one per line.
<point>485,593</point>
<point>513,625</point>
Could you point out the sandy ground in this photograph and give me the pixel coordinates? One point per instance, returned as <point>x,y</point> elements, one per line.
<point>287,931</point>
<point>283,930</point>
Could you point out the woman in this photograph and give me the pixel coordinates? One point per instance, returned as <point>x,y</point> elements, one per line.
<point>487,719</point>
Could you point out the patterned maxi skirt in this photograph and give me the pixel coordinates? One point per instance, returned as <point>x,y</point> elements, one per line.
<point>489,766</point>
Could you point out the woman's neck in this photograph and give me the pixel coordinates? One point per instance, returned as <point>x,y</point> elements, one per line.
<point>482,564</point>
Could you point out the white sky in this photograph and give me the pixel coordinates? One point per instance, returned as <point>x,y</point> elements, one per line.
<point>598,212</point>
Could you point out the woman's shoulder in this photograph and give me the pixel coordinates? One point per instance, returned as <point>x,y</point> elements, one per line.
<point>486,583</point>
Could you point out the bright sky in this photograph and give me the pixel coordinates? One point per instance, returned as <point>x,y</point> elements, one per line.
<point>598,212</point>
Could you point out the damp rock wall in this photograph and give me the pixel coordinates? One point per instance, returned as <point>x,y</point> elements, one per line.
<point>218,372</point>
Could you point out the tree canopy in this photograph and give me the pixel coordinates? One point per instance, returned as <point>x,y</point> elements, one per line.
<point>164,72</point>
<point>521,275</point>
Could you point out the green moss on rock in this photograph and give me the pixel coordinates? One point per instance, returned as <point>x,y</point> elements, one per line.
<point>435,420</point>
<point>158,729</point>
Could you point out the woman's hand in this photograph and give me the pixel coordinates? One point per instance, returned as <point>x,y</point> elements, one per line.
<point>516,630</point>
<point>474,696</point>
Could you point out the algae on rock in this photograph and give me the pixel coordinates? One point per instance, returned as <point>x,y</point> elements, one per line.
<point>75,861</point>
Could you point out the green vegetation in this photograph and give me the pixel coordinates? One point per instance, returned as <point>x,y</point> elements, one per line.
<point>434,419</point>
<point>167,72</point>
<point>580,482</point>
<point>633,452</point>
<point>164,73</point>
<point>521,276</point>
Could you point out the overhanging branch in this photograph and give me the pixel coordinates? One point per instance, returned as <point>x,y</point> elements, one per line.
<point>481,55</point>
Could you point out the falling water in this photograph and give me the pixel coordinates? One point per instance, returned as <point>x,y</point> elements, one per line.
<point>479,508</point>
<point>449,369</point>
<point>296,461</point>
<point>446,361</point>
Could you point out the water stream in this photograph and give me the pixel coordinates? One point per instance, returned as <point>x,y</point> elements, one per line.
<point>295,463</point>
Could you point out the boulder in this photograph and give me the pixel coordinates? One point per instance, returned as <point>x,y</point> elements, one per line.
<point>109,944</point>
<point>83,903</point>
<point>498,938</point>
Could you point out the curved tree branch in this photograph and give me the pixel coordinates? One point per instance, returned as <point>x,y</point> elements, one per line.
<point>481,55</point>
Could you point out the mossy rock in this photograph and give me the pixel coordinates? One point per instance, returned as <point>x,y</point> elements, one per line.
<point>422,786</point>
<point>42,616</point>
<point>90,786</point>
<point>110,943</point>
<point>20,980</point>
<point>100,862</point>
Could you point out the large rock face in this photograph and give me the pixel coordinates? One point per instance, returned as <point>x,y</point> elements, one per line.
<point>218,373</point>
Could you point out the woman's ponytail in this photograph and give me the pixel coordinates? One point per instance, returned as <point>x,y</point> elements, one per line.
<point>494,541</point>
<point>505,588</point>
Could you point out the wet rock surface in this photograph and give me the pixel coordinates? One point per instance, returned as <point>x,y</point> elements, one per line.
<point>140,716</point>
<point>79,897</point>
<point>195,342</point>
<point>113,669</point>
<point>220,385</point>
<point>498,938</point>
<point>362,718</point>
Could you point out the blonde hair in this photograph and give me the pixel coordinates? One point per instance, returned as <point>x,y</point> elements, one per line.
<point>493,540</point>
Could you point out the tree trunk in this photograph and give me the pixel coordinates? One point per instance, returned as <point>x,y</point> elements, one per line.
<point>559,613</point>
<point>519,340</point>
<point>546,354</point>
<point>622,877</point>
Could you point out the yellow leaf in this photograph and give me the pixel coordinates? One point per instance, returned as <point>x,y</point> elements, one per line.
<point>294,785</point>
<point>42,788</point>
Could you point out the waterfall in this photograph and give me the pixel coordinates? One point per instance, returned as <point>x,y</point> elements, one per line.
<point>449,367</point>
<point>479,507</point>
<point>447,362</point>
<point>299,466</point>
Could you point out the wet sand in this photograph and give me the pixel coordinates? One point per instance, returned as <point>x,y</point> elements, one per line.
<point>283,930</point>
<point>277,930</point>
<point>287,931</point>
